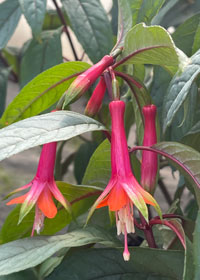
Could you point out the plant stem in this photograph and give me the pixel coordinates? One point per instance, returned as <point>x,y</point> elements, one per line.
<point>108,82</point>
<point>165,192</point>
<point>184,167</point>
<point>129,82</point>
<point>62,19</point>
<point>127,77</point>
<point>135,53</point>
<point>115,85</point>
<point>107,134</point>
<point>86,196</point>
<point>83,197</point>
<point>148,233</point>
<point>15,77</point>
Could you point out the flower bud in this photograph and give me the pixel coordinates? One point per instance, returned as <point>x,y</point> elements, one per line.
<point>86,79</point>
<point>149,165</point>
<point>95,101</point>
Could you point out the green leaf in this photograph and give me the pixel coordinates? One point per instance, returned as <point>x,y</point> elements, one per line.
<point>124,21</point>
<point>177,11</point>
<point>41,55</point>
<point>185,117</point>
<point>25,253</point>
<point>10,13</point>
<point>52,20</point>
<point>179,89</point>
<point>145,10</point>
<point>140,99</point>
<point>192,256</point>
<point>50,264</point>
<point>4,73</point>
<point>91,26</point>
<point>109,264</point>
<point>192,138</point>
<point>188,273</point>
<point>11,230</point>
<point>150,45</point>
<point>160,83</point>
<point>42,92</point>
<point>187,34</point>
<point>22,275</point>
<point>163,11</point>
<point>98,171</point>
<point>55,126</point>
<point>12,56</point>
<point>82,158</point>
<point>99,168</point>
<point>185,159</point>
<point>196,249</point>
<point>34,12</point>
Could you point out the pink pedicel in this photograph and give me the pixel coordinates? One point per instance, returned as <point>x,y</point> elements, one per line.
<point>149,165</point>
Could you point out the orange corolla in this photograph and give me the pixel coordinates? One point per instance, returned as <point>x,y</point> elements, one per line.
<point>42,190</point>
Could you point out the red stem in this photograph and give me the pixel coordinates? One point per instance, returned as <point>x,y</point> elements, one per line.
<point>166,223</point>
<point>127,77</point>
<point>167,156</point>
<point>148,232</point>
<point>129,81</point>
<point>135,53</point>
<point>85,196</point>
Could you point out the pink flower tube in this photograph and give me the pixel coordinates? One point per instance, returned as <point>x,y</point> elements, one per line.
<point>81,84</point>
<point>149,165</point>
<point>95,101</point>
<point>123,191</point>
<point>42,190</point>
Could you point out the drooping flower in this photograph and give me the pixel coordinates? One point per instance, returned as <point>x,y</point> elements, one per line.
<point>95,101</point>
<point>81,84</point>
<point>123,191</point>
<point>42,190</point>
<point>149,164</point>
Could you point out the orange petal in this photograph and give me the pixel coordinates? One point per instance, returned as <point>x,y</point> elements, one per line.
<point>46,204</point>
<point>17,200</point>
<point>103,203</point>
<point>117,198</point>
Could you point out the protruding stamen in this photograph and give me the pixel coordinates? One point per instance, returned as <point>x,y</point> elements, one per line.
<point>38,222</point>
<point>124,218</point>
<point>126,254</point>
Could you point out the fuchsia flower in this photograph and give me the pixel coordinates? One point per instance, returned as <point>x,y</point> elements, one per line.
<point>149,165</point>
<point>95,101</point>
<point>123,191</point>
<point>42,190</point>
<point>81,84</point>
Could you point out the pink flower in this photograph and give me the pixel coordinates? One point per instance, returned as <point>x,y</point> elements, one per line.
<point>42,190</point>
<point>95,101</point>
<point>149,165</point>
<point>123,191</point>
<point>81,84</point>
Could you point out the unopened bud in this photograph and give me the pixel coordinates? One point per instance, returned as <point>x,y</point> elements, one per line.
<point>86,79</point>
<point>149,165</point>
<point>95,101</point>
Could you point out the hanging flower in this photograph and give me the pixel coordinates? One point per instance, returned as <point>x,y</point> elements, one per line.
<point>95,101</point>
<point>149,165</point>
<point>42,190</point>
<point>123,191</point>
